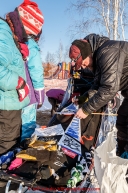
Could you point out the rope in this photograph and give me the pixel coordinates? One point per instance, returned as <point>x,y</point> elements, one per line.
<point>88,83</point>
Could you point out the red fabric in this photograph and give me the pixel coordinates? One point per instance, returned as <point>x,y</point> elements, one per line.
<point>69,153</point>
<point>22,89</point>
<point>31,17</point>
<point>73,95</point>
<point>24,51</point>
<point>23,93</point>
<point>20,82</point>
<point>28,2</point>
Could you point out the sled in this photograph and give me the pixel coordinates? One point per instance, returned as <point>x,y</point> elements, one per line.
<point>33,183</point>
<point>73,85</point>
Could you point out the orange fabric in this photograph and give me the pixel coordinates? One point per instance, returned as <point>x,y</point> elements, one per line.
<point>44,126</point>
<point>86,138</point>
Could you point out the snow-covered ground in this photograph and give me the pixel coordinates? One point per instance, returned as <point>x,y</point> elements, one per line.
<point>52,84</point>
<point>46,105</point>
<point>55,83</point>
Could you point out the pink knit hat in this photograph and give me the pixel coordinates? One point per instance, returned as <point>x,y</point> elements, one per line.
<point>73,54</point>
<point>31,17</point>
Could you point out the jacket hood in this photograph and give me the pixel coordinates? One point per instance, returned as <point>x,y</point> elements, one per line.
<point>96,41</point>
<point>5,26</point>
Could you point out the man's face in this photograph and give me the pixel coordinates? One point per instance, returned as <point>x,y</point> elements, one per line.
<point>87,62</point>
<point>78,63</point>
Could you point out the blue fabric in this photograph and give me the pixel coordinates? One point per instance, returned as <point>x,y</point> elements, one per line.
<point>28,121</point>
<point>27,130</point>
<point>35,67</point>
<point>125,155</point>
<point>29,114</point>
<point>7,158</point>
<point>11,67</point>
<point>35,75</point>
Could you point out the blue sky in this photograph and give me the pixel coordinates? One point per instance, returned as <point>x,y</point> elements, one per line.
<point>56,24</point>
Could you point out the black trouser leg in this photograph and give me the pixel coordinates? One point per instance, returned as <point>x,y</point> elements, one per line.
<point>122,126</point>
<point>53,102</point>
<point>10,126</point>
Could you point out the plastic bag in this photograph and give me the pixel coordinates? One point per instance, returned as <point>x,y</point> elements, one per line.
<point>110,169</point>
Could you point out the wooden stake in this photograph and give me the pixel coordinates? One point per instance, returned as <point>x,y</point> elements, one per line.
<point>111,114</point>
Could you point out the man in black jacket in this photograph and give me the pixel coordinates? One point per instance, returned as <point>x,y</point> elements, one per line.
<point>108,60</point>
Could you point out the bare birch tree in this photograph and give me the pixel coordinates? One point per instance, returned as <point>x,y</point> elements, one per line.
<point>50,58</point>
<point>105,16</point>
<point>59,53</point>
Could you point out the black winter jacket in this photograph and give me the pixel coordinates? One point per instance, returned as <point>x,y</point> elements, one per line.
<point>110,60</point>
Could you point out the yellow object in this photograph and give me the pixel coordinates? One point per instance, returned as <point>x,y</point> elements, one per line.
<point>86,100</point>
<point>23,155</point>
<point>49,145</point>
<point>76,75</point>
<point>82,99</point>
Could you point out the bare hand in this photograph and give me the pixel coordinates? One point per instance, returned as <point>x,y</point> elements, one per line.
<point>39,106</point>
<point>80,114</point>
<point>75,100</point>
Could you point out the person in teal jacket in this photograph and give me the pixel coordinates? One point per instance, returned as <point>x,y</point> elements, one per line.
<point>34,68</point>
<point>13,89</point>
<point>24,27</point>
<point>26,22</point>
<point>35,81</point>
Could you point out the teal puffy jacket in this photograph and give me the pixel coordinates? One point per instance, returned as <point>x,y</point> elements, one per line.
<point>11,67</point>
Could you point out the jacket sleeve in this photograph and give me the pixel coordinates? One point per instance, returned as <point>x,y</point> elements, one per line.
<point>107,80</point>
<point>8,78</point>
<point>40,95</point>
<point>36,73</point>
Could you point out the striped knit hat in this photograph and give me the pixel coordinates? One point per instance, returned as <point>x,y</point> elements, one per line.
<point>31,17</point>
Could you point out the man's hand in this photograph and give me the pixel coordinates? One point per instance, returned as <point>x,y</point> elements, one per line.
<point>75,100</point>
<point>80,114</point>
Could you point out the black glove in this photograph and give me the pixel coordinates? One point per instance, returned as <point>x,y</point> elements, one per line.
<point>82,99</point>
